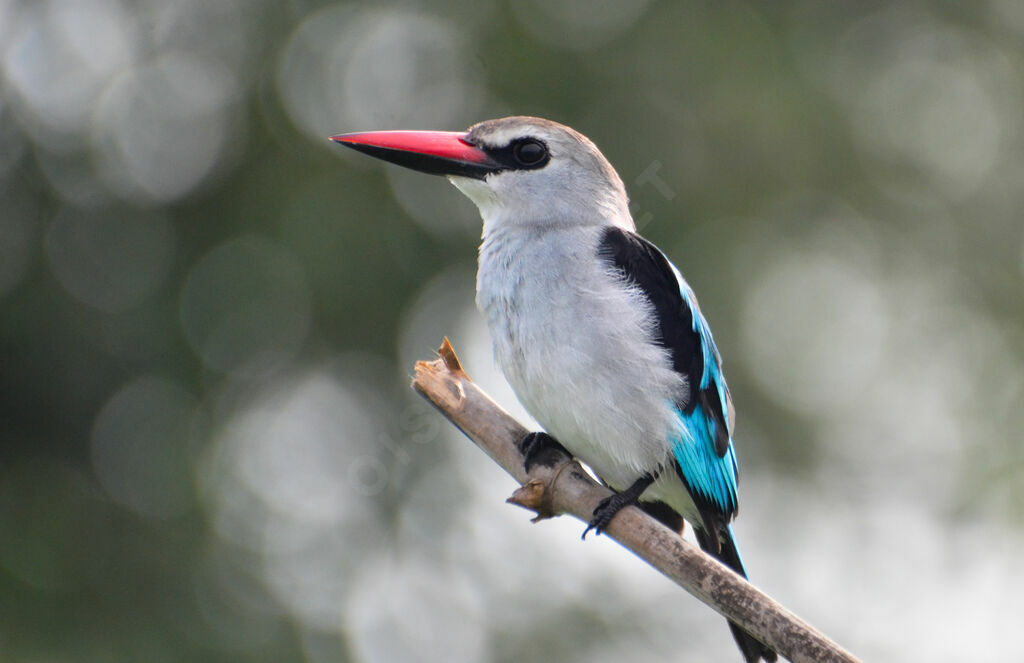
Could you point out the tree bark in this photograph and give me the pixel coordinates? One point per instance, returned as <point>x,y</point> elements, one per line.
<point>564,487</point>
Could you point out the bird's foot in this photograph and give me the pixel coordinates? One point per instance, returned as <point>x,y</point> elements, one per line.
<point>538,447</point>
<point>604,512</point>
<point>611,505</point>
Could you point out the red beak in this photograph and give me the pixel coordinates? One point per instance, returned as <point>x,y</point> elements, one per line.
<point>434,152</point>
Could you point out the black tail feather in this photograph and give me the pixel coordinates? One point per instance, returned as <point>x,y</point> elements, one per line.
<point>664,514</point>
<point>722,547</point>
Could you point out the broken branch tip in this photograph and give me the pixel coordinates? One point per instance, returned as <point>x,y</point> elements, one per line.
<point>448,356</point>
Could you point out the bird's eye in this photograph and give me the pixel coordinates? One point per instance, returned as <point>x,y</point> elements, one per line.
<point>529,152</point>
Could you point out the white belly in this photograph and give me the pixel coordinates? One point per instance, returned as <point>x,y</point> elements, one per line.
<point>577,349</point>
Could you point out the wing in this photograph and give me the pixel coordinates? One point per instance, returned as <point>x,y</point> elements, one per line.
<point>704,452</point>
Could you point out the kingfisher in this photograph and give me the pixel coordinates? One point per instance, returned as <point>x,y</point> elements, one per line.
<point>597,332</point>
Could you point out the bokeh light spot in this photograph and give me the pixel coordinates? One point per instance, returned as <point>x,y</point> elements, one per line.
<point>141,444</point>
<point>278,483</point>
<point>162,128</point>
<point>344,70</point>
<point>407,611</point>
<point>442,210</point>
<point>64,54</point>
<point>814,322</point>
<point>932,104</point>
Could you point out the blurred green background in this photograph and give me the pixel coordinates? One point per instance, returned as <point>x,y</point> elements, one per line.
<point>209,316</point>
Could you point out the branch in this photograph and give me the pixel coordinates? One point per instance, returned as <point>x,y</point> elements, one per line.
<point>564,487</point>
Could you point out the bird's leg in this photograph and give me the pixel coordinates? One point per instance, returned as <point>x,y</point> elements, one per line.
<point>611,505</point>
<point>535,446</point>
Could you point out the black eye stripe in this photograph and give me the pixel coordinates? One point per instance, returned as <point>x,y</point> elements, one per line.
<point>521,154</point>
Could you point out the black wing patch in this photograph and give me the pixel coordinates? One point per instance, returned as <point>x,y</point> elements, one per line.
<point>646,266</point>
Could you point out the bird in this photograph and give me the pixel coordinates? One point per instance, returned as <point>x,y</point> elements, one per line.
<point>597,332</point>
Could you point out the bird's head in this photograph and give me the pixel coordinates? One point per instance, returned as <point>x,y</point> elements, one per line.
<point>518,170</point>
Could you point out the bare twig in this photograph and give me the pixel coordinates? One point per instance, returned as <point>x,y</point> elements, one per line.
<point>564,487</point>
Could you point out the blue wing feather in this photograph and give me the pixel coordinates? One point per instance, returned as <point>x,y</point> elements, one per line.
<point>705,457</point>
<point>712,476</point>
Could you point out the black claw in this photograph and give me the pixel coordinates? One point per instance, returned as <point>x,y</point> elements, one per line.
<point>603,514</point>
<point>611,505</point>
<point>536,447</point>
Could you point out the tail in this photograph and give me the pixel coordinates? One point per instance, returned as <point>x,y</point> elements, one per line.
<point>725,551</point>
